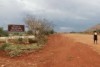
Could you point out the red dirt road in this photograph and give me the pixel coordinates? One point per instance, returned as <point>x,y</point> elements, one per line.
<point>60,51</point>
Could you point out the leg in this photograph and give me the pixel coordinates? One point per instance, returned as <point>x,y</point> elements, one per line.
<point>96,41</point>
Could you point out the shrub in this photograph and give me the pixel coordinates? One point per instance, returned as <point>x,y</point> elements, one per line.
<point>3,47</point>
<point>20,40</point>
<point>3,33</point>
<point>18,50</point>
<point>42,39</point>
<point>39,27</point>
<point>30,40</point>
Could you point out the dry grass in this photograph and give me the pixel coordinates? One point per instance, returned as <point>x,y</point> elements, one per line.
<point>86,39</point>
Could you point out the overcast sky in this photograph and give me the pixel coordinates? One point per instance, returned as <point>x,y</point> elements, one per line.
<point>67,15</point>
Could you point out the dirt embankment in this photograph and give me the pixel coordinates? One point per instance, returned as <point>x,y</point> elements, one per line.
<point>60,51</point>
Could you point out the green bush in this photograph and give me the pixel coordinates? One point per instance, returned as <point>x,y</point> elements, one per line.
<point>3,47</point>
<point>3,33</point>
<point>17,50</point>
<point>48,32</point>
<point>42,39</point>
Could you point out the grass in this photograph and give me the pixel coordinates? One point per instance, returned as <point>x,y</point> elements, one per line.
<point>18,49</point>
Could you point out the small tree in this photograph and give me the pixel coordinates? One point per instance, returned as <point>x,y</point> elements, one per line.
<point>3,33</point>
<point>39,27</point>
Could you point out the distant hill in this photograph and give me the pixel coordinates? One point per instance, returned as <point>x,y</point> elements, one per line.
<point>94,28</point>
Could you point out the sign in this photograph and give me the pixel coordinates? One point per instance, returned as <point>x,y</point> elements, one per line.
<point>16,28</point>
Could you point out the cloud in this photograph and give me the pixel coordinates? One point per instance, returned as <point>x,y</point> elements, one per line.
<point>65,13</point>
<point>66,29</point>
<point>10,10</point>
<point>63,9</point>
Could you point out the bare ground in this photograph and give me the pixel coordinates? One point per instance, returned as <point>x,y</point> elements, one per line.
<point>61,51</point>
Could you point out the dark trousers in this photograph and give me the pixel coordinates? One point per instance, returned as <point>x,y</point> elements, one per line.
<point>95,39</point>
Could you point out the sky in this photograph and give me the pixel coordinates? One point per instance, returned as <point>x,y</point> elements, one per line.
<point>66,15</point>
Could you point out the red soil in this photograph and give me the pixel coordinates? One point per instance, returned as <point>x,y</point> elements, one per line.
<point>60,51</point>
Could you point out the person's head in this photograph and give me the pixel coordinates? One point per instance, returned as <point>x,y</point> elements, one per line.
<point>95,31</point>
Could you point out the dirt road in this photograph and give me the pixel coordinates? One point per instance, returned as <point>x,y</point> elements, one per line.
<point>60,51</point>
<point>86,39</point>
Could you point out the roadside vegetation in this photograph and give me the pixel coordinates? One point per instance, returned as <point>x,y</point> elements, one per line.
<point>17,50</point>
<point>3,33</point>
<point>40,28</point>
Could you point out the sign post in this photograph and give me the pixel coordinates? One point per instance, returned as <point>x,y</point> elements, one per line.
<point>16,28</point>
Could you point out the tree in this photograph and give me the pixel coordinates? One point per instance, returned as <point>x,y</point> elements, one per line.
<point>38,26</point>
<point>3,33</point>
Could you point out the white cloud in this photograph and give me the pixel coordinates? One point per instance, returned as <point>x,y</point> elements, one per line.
<point>74,11</point>
<point>10,10</point>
